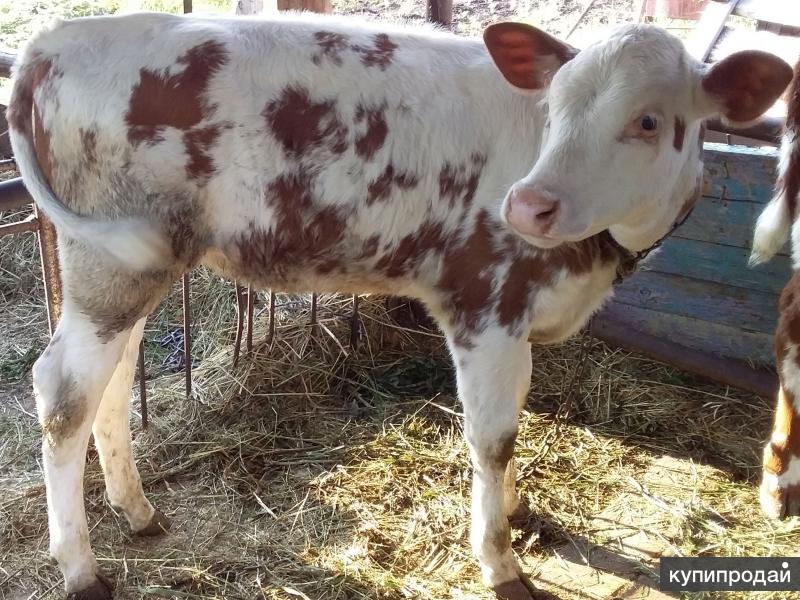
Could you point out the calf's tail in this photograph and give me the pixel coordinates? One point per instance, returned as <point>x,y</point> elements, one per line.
<point>775,222</point>
<point>134,242</point>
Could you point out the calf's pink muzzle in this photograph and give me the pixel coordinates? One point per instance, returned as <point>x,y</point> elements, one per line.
<point>531,212</point>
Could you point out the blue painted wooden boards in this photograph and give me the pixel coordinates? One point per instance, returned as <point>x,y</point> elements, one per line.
<point>698,291</point>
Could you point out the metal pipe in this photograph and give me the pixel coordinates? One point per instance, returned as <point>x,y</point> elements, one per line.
<point>237,343</point>
<point>31,223</point>
<point>313,310</point>
<point>355,325</point>
<point>142,386</point>
<point>187,334</point>
<point>271,315</point>
<point>250,301</point>
<point>14,194</point>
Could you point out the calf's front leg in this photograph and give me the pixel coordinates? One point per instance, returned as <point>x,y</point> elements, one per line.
<point>493,374</point>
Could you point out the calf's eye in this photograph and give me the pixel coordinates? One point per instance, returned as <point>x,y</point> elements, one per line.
<point>649,123</point>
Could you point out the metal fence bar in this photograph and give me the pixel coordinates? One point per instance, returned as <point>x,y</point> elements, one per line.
<point>142,386</point>
<point>240,308</point>
<point>251,295</point>
<point>14,194</point>
<point>31,223</point>
<point>271,316</point>
<point>313,310</point>
<point>187,334</point>
<point>355,325</point>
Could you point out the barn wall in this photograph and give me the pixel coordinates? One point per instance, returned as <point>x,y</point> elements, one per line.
<point>698,292</point>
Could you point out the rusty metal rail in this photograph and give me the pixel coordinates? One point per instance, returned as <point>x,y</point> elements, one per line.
<point>13,195</point>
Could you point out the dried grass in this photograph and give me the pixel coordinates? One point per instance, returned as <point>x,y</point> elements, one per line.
<point>311,472</point>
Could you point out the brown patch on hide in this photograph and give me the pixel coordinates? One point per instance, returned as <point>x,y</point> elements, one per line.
<point>680,133</point>
<point>369,247</point>
<point>162,100</point>
<point>525,274</point>
<point>67,413</point>
<point>408,254</point>
<point>301,125</point>
<point>505,451</point>
<point>89,144</point>
<point>381,188</point>
<point>198,143</point>
<point>377,130</point>
<point>302,235</point>
<point>41,146</point>
<point>380,54</point>
<point>531,270</point>
<point>458,183</point>
<point>584,256</point>
<point>331,45</point>
<point>182,225</point>
<point>30,77</point>
<point>467,275</point>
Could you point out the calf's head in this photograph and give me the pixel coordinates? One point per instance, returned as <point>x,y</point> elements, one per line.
<point>620,150</point>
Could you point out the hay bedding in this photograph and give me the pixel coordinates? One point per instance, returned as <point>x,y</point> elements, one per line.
<point>311,473</point>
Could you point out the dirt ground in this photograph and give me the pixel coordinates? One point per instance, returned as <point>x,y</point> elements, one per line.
<point>313,473</point>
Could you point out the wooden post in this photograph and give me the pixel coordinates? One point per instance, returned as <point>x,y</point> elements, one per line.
<point>318,6</point>
<point>441,12</point>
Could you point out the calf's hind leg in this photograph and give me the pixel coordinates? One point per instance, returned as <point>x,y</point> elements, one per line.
<point>112,436</point>
<point>101,306</point>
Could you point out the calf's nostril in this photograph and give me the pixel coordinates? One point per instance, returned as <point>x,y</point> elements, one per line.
<point>547,214</point>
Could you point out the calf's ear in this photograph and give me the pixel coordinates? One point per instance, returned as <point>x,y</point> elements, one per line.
<point>527,57</point>
<point>742,86</point>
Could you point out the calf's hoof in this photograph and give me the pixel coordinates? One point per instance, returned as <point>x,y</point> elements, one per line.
<point>522,517</point>
<point>101,589</point>
<point>158,524</point>
<point>779,499</point>
<point>521,589</point>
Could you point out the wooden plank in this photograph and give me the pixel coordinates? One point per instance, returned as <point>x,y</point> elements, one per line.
<point>728,222</point>
<point>611,327</point>
<point>739,172</point>
<point>710,25</point>
<point>710,339</point>
<point>783,12</point>
<point>767,129</point>
<point>717,303</point>
<point>719,264</point>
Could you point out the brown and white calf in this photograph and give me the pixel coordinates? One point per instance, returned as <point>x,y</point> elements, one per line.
<point>780,486</point>
<point>501,181</point>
